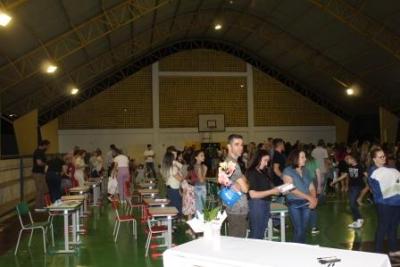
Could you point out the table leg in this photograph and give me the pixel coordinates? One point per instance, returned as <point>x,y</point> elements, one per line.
<point>270,230</point>
<point>85,204</point>
<point>169,235</point>
<point>283,227</point>
<point>78,226</point>
<point>78,223</point>
<point>96,193</point>
<point>66,236</point>
<point>66,240</point>
<point>74,227</point>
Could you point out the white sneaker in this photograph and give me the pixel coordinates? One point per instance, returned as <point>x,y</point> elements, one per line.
<point>355,224</point>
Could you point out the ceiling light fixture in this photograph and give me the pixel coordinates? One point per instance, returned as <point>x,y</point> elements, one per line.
<point>74,91</point>
<point>218,27</point>
<point>51,68</point>
<point>350,91</point>
<point>5,19</point>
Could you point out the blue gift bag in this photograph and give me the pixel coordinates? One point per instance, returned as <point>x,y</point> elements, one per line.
<point>229,196</point>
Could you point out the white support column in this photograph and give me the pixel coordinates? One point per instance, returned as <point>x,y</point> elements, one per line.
<point>155,88</point>
<point>250,102</point>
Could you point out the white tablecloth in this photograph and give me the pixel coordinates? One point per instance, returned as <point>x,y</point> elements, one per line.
<point>230,251</point>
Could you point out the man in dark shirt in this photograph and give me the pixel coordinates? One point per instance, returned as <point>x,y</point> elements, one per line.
<point>38,172</point>
<point>278,161</point>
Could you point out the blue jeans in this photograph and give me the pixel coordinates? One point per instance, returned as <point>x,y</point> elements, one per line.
<point>388,222</point>
<point>354,192</point>
<point>259,213</point>
<point>313,212</point>
<point>300,215</point>
<point>313,218</point>
<point>175,199</point>
<point>200,192</point>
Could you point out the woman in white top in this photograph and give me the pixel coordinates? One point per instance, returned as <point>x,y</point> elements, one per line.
<point>80,166</point>
<point>172,175</point>
<point>122,165</point>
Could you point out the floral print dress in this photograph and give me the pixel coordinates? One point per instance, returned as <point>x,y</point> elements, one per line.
<point>188,198</point>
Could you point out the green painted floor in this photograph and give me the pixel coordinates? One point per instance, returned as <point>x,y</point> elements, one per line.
<point>98,248</point>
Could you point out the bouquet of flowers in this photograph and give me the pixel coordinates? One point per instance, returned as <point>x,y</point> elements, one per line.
<point>229,194</point>
<point>225,170</point>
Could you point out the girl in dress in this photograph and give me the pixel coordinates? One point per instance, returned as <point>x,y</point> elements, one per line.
<point>188,201</point>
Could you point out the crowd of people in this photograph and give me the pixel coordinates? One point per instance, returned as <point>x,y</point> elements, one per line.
<point>366,172</point>
<point>56,174</point>
<point>315,170</point>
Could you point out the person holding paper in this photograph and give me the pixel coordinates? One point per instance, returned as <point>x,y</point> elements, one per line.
<point>303,198</point>
<point>260,191</point>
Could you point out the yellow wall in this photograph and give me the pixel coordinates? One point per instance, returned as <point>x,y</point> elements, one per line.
<point>342,129</point>
<point>388,124</point>
<point>49,132</point>
<point>183,98</point>
<point>278,105</point>
<point>128,104</point>
<point>202,60</point>
<point>180,106</point>
<point>26,133</point>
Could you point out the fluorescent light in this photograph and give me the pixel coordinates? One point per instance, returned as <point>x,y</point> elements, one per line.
<point>4,19</point>
<point>51,68</point>
<point>350,91</point>
<point>13,115</point>
<point>218,27</point>
<point>74,91</point>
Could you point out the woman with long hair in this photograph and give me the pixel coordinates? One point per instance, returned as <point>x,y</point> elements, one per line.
<point>260,191</point>
<point>302,199</point>
<point>197,171</point>
<point>171,173</point>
